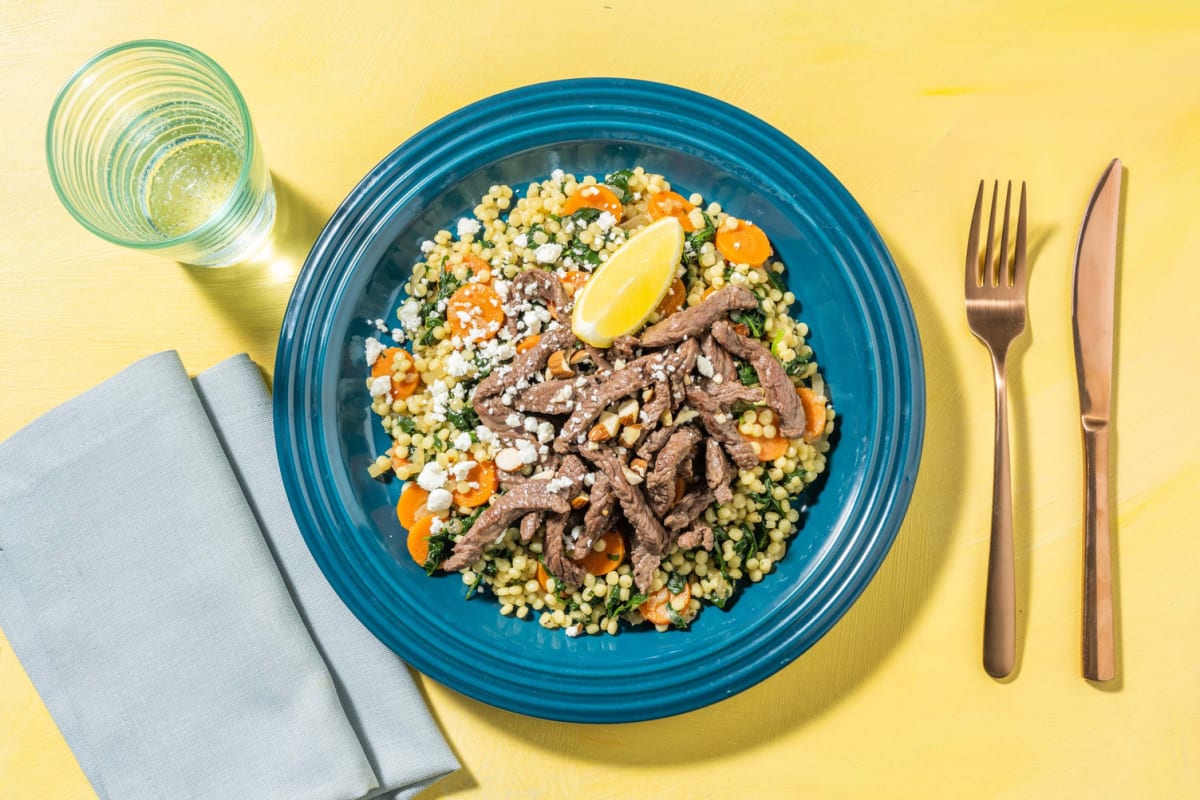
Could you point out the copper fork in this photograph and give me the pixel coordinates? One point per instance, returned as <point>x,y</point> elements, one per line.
<point>995,294</point>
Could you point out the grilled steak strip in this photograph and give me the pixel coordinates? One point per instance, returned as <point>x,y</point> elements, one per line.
<point>648,533</point>
<point>694,322</point>
<point>722,429</point>
<point>660,482</point>
<point>521,500</point>
<point>700,534</point>
<point>688,509</point>
<point>722,362</point>
<point>780,392</point>
<point>718,472</point>
<point>598,517</point>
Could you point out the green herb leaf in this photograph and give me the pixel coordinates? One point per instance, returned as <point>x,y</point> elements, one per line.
<point>693,241</point>
<point>619,183</point>
<point>746,374</point>
<point>676,619</point>
<point>465,420</point>
<point>406,424</point>
<point>440,544</point>
<point>615,607</point>
<point>776,279</point>
<point>585,216</point>
<point>754,319</point>
<point>675,582</point>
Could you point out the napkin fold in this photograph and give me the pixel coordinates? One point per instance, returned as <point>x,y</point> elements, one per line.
<point>156,589</point>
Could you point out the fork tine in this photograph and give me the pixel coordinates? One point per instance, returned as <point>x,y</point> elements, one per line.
<point>989,268</point>
<point>1019,271</point>
<point>973,243</point>
<point>1002,274</point>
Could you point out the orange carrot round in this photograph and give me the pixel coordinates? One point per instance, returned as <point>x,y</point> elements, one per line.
<point>574,280</point>
<point>745,243</point>
<point>602,562</point>
<point>671,204</point>
<point>769,447</point>
<point>402,385</point>
<point>528,343</point>
<point>418,538</point>
<point>412,504</point>
<point>483,475</point>
<point>543,577</point>
<point>655,607</point>
<point>474,312</point>
<point>814,413</point>
<point>593,196</point>
<point>673,300</point>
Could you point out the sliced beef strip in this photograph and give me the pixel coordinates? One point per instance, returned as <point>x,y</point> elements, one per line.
<point>543,285</point>
<point>727,394</point>
<point>689,508</point>
<point>494,414</point>
<point>696,321</point>
<point>648,532</point>
<point>551,398</point>
<point>529,525</point>
<point>598,517</point>
<point>723,430</point>
<point>644,565</point>
<point>660,482</point>
<point>718,472</point>
<point>700,534</point>
<point>722,362</point>
<point>608,389</point>
<point>780,392</point>
<point>532,496</point>
<point>598,358</point>
<point>486,400</point>
<point>659,402</point>
<point>624,347</point>
<point>654,442</point>
<point>554,552</point>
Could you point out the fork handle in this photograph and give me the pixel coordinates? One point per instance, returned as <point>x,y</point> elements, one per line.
<point>999,621</point>
<point>1099,659</point>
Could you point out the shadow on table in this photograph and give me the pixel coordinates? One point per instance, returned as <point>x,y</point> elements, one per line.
<point>253,295</point>
<point>846,656</point>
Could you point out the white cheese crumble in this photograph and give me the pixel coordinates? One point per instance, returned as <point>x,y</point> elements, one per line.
<point>531,424</point>
<point>373,348</point>
<point>381,385</point>
<point>427,247</point>
<point>484,434</point>
<point>439,500</point>
<point>557,175</point>
<point>467,227</point>
<point>410,315</point>
<point>558,484</point>
<point>433,476</point>
<point>462,442</point>
<point>527,451</point>
<point>606,220</point>
<point>513,420</point>
<point>521,240</point>
<point>545,431</point>
<point>462,469</point>
<point>456,365</point>
<point>704,366</point>
<point>441,399</point>
<point>548,253</point>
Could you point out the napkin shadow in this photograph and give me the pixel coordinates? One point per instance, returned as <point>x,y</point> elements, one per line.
<point>846,656</point>
<point>253,294</point>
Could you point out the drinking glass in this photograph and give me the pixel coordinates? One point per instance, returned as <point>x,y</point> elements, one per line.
<point>150,146</point>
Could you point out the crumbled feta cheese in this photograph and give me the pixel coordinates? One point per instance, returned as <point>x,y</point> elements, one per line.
<point>463,469</point>
<point>440,393</point>
<point>574,630</point>
<point>458,366</point>
<point>381,385</point>
<point>427,246</point>
<point>589,479</point>
<point>704,366</point>
<point>558,484</point>
<point>557,175</point>
<point>433,476</point>
<point>380,325</point>
<point>439,500</point>
<point>606,220</point>
<point>467,227</point>
<point>590,191</point>
<point>435,525</point>
<point>462,442</point>
<point>521,240</point>
<point>545,431</point>
<point>373,348</point>
<point>399,335</point>
<point>527,451</point>
<point>548,253</point>
<point>564,394</point>
<point>484,434</point>
<point>531,424</point>
<point>513,420</point>
<point>410,315</point>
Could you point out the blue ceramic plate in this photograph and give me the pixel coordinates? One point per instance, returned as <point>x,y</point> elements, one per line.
<point>848,291</point>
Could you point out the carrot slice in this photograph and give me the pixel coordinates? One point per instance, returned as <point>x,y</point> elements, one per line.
<point>528,342</point>
<point>593,196</point>
<point>474,312</point>
<point>673,301</point>
<point>402,385</point>
<point>574,280</point>
<point>769,447</point>
<point>605,561</point>
<point>671,204</point>
<point>478,267</point>
<point>814,413</point>
<point>655,607</point>
<point>743,244</point>
<point>483,475</point>
<point>542,577</point>
<point>412,504</point>
<point>418,538</point>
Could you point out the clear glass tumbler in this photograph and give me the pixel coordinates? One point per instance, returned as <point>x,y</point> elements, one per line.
<point>150,146</point>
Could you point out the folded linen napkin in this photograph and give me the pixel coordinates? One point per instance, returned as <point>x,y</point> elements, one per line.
<point>156,589</point>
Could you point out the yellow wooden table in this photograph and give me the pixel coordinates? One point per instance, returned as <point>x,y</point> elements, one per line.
<point>909,107</point>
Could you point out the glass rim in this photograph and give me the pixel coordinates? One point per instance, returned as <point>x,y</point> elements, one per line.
<point>178,49</point>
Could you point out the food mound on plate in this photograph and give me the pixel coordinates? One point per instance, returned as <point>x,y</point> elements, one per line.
<point>599,404</point>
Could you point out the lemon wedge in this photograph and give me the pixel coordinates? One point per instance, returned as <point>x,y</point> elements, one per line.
<point>625,289</point>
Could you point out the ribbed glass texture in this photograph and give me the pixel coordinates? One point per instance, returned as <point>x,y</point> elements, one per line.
<point>150,146</point>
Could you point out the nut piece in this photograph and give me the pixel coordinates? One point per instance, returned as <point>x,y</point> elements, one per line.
<point>579,501</point>
<point>686,415</point>
<point>558,365</point>
<point>509,459</point>
<point>639,466</point>
<point>606,428</point>
<point>630,435</point>
<point>580,356</point>
<point>627,411</point>
<point>631,477</point>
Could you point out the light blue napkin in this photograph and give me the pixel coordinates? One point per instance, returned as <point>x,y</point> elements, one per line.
<point>156,589</point>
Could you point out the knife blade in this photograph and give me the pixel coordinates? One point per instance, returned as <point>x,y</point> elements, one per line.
<point>1092,317</point>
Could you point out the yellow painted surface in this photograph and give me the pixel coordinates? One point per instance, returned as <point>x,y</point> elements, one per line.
<point>909,104</point>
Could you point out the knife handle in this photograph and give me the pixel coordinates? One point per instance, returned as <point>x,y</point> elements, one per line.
<point>1000,609</point>
<point>1099,657</point>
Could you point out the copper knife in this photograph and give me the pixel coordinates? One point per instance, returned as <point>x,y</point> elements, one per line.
<point>1092,317</point>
